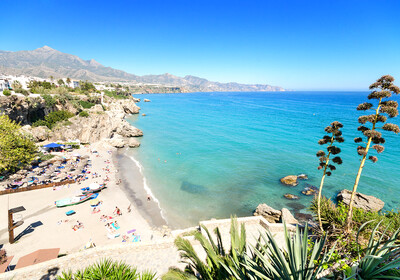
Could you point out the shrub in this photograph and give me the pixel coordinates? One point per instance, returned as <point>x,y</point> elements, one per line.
<point>7,92</point>
<point>86,104</point>
<point>49,100</point>
<point>108,269</point>
<point>39,123</point>
<point>84,114</point>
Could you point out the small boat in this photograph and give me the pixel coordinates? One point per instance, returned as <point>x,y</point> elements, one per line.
<point>75,200</point>
<point>93,188</point>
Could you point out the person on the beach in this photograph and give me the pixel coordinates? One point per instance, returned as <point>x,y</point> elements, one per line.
<point>148,198</point>
<point>117,211</point>
<point>129,208</point>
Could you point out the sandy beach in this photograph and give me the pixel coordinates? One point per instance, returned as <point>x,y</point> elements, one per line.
<point>46,226</point>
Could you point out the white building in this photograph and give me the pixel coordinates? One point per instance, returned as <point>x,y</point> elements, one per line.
<point>4,83</point>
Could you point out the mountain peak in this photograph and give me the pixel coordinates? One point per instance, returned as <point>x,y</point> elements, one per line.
<point>45,48</point>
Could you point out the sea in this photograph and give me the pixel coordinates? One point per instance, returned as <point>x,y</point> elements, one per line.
<point>214,155</point>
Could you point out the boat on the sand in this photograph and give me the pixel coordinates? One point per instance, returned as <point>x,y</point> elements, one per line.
<point>75,200</point>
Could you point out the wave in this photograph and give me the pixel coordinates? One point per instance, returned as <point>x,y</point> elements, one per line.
<point>147,188</point>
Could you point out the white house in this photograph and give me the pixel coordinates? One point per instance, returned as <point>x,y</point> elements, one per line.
<point>4,83</point>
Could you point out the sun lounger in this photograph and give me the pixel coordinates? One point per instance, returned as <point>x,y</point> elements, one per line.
<point>115,226</point>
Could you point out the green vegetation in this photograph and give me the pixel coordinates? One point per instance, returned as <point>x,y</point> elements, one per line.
<point>333,135</point>
<point>87,86</point>
<point>114,94</point>
<point>383,88</point>
<point>16,149</point>
<point>43,157</point>
<point>53,118</point>
<point>84,114</point>
<point>108,269</point>
<point>49,100</point>
<point>301,257</point>
<point>7,92</point>
<point>86,104</point>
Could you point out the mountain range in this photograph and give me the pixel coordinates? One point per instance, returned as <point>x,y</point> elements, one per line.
<point>45,62</point>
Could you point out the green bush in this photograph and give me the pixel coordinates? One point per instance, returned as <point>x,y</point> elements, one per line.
<point>54,117</point>
<point>49,100</point>
<point>7,92</point>
<point>114,94</point>
<point>86,104</point>
<point>39,123</point>
<point>22,91</point>
<point>108,269</point>
<point>84,114</point>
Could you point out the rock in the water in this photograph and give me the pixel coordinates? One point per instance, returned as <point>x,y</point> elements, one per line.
<point>146,100</point>
<point>363,201</point>
<point>302,177</point>
<point>287,217</point>
<point>310,190</point>
<point>126,130</point>
<point>270,214</point>
<point>143,115</point>
<point>290,180</point>
<point>132,143</point>
<point>291,196</point>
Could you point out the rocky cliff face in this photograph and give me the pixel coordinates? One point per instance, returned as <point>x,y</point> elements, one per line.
<point>23,110</point>
<point>100,125</point>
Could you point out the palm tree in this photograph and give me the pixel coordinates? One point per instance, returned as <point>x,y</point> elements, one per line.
<point>217,259</point>
<point>334,135</point>
<point>382,88</point>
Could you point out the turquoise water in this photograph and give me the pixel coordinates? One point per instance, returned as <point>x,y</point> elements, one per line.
<point>210,155</point>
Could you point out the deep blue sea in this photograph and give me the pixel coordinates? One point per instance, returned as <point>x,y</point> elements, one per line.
<point>211,155</point>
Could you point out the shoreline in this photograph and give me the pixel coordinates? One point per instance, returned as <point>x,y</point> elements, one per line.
<point>134,187</point>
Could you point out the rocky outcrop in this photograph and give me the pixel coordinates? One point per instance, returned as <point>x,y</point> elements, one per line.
<point>291,196</point>
<point>287,217</point>
<point>310,190</point>
<point>270,214</point>
<point>302,177</point>
<point>363,201</point>
<point>146,100</point>
<point>39,134</point>
<point>290,180</point>
<point>132,143</point>
<point>23,110</point>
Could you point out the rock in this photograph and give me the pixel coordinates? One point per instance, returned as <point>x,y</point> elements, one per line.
<point>146,100</point>
<point>270,214</point>
<point>302,177</point>
<point>291,196</point>
<point>310,190</point>
<point>117,142</point>
<point>296,206</point>
<point>40,133</point>
<point>287,217</point>
<point>290,180</point>
<point>132,143</point>
<point>143,115</point>
<point>363,201</point>
<point>303,218</point>
<point>126,130</point>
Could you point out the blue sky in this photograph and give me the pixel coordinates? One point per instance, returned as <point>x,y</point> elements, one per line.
<point>300,45</point>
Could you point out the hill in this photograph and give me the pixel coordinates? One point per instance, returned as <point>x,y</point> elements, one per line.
<point>44,62</point>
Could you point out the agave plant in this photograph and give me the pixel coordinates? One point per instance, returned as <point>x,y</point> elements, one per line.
<point>296,261</point>
<point>108,269</point>
<point>217,259</point>
<point>381,259</point>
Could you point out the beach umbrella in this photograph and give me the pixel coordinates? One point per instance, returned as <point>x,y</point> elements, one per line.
<point>95,202</point>
<point>94,186</point>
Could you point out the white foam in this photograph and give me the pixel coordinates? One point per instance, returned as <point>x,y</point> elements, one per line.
<point>147,188</point>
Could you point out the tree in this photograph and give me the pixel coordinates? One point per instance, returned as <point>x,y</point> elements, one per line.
<point>16,85</point>
<point>333,135</point>
<point>382,89</point>
<point>60,82</point>
<point>68,81</point>
<point>16,149</point>
<point>51,78</point>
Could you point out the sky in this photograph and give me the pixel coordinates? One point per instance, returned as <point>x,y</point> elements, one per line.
<point>299,45</point>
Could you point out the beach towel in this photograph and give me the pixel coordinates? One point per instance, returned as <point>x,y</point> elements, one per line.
<point>115,226</point>
<point>112,236</point>
<point>136,238</point>
<point>70,212</point>
<point>131,231</point>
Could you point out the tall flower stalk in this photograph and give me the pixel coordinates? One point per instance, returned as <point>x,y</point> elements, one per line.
<point>333,135</point>
<point>383,88</point>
